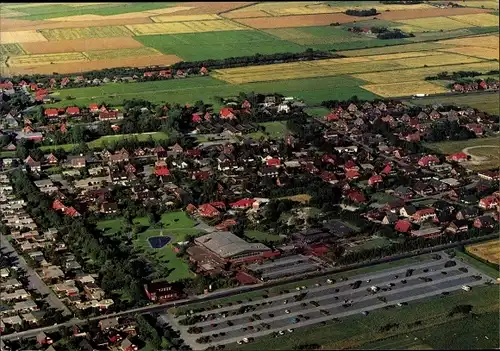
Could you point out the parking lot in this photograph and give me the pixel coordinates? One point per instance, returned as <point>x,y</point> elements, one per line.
<point>318,303</point>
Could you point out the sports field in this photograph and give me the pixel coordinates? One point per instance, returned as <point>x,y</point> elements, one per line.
<point>218,45</point>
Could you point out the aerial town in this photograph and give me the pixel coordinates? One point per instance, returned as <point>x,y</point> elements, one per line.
<point>256,219</point>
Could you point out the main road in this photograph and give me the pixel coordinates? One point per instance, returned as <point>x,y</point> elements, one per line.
<point>228,292</point>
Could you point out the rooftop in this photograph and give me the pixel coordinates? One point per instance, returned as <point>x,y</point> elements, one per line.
<point>226,244</point>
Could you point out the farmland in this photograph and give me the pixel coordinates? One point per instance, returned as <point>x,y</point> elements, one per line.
<point>488,251</point>
<point>79,45</point>
<point>27,60</point>
<point>24,36</point>
<point>114,54</point>
<point>184,27</point>
<point>218,45</point>
<point>484,102</point>
<point>432,24</point>
<point>86,33</point>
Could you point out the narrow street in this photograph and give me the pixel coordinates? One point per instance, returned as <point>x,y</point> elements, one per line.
<point>34,279</point>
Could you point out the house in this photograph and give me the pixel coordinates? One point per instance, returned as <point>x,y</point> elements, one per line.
<point>407,211</point>
<point>77,161</point>
<point>162,291</point>
<point>484,222</point>
<point>227,113</point>
<point>162,171</point>
<point>242,204</point>
<point>51,159</point>
<point>422,188</point>
<point>109,207</point>
<point>127,345</point>
<point>93,291</point>
<point>356,196</point>
<point>51,112</point>
<point>43,339</point>
<point>109,323</point>
<point>402,226</point>
<point>34,165</point>
<point>467,213</point>
<point>489,175</point>
<point>176,148</point>
<point>207,210</point>
<point>428,160</point>
<point>489,202</point>
<point>110,115</point>
<point>72,111</point>
<point>457,157</point>
<point>458,226</point>
<point>422,215</point>
<point>375,180</point>
<point>403,192</point>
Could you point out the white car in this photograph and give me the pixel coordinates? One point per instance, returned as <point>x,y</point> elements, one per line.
<point>281,332</point>
<point>245,340</point>
<point>297,288</point>
<point>368,280</point>
<point>400,304</point>
<point>285,302</point>
<point>302,287</point>
<point>317,284</point>
<point>239,342</point>
<point>290,330</point>
<point>329,281</point>
<point>287,311</point>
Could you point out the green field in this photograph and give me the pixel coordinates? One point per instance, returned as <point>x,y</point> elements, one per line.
<point>276,129</point>
<point>483,102</point>
<point>449,147</point>
<point>176,225</point>
<point>101,142</point>
<point>436,328</point>
<point>182,91</point>
<point>219,45</point>
<point>62,10</point>
<point>317,111</point>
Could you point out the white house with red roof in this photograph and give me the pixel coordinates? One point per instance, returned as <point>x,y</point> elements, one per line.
<point>207,210</point>
<point>457,157</point>
<point>488,202</point>
<point>377,178</point>
<point>227,113</point>
<point>428,160</point>
<point>242,204</point>
<point>51,112</point>
<point>73,111</point>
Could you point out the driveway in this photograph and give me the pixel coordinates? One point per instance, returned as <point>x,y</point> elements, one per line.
<point>34,280</point>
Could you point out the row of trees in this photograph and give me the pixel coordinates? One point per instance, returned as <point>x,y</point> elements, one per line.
<point>460,74</point>
<point>362,13</point>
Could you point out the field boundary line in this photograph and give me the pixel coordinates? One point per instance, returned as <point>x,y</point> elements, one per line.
<point>237,8</point>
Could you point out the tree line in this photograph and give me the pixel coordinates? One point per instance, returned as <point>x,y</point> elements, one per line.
<point>460,74</point>
<point>361,13</point>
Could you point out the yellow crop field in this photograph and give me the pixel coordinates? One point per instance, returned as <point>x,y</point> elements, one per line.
<point>47,59</point>
<point>86,33</point>
<point>485,41</point>
<point>434,24</point>
<point>436,60</point>
<point>119,53</point>
<point>488,251</point>
<point>476,51</point>
<point>419,74</point>
<point>184,27</point>
<point>392,49</point>
<point>491,4</point>
<point>22,36</point>
<point>401,55</point>
<point>404,89</point>
<point>479,19</point>
<point>186,18</point>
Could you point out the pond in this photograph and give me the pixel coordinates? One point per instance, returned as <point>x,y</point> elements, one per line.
<point>157,242</point>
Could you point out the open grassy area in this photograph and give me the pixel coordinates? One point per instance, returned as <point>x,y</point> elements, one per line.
<point>311,90</point>
<point>262,236</point>
<point>176,225</point>
<point>219,45</point>
<point>372,244</point>
<point>101,142</point>
<point>449,147</point>
<point>356,331</point>
<point>483,102</point>
<point>276,129</point>
<point>317,111</point>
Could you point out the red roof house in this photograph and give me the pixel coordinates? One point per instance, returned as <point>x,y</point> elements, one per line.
<point>351,174</point>
<point>108,115</point>
<point>402,226</point>
<point>246,104</point>
<point>458,157</point>
<point>488,202</point>
<point>196,118</point>
<point>227,113</point>
<point>356,196</point>
<point>162,171</point>
<point>351,166</point>
<point>375,179</point>
<point>428,160</point>
<point>483,85</point>
<point>207,210</point>
<point>51,112</point>
<point>58,205</point>
<point>387,169</point>
<point>276,162</point>
<point>203,70</point>
<point>94,108</point>
<point>72,111</point>
<point>242,204</point>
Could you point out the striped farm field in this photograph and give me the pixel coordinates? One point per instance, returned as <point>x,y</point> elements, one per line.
<point>317,35</point>
<point>476,51</point>
<point>436,60</point>
<point>485,41</point>
<point>120,53</point>
<point>419,74</point>
<point>392,49</point>
<point>30,60</point>
<point>488,251</point>
<point>434,24</point>
<point>404,89</point>
<point>186,18</point>
<point>487,4</point>
<point>184,27</point>
<point>247,14</point>
<point>86,33</point>
<point>78,45</point>
<point>11,50</point>
<point>22,36</point>
<point>299,21</point>
<point>480,19</point>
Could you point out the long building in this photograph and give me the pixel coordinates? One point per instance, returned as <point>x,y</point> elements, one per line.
<point>232,248</point>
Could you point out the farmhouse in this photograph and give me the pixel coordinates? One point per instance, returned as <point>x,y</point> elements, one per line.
<point>229,247</point>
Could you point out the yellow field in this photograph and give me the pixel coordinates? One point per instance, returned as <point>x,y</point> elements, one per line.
<point>20,6</point>
<point>485,41</point>
<point>433,24</point>
<point>404,89</point>
<point>479,19</point>
<point>436,60</point>
<point>392,49</point>
<point>184,27</point>
<point>119,53</point>
<point>47,59</point>
<point>487,4</point>
<point>400,55</point>
<point>185,18</point>
<point>22,36</point>
<point>476,51</point>
<point>488,251</point>
<point>419,74</point>
<point>86,33</point>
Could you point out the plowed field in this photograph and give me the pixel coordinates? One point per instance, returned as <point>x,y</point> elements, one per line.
<point>79,45</point>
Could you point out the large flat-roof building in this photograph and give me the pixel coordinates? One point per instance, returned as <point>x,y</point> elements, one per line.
<point>230,247</point>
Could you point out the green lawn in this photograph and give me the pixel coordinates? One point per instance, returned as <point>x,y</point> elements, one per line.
<point>7,154</point>
<point>219,45</point>
<point>483,102</point>
<point>262,236</point>
<point>275,129</point>
<point>317,111</point>
<point>436,329</point>
<point>312,91</point>
<point>372,244</point>
<point>176,225</point>
<point>100,143</point>
<point>61,10</point>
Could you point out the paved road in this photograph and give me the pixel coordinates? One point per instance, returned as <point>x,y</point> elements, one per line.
<point>34,279</point>
<point>331,301</point>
